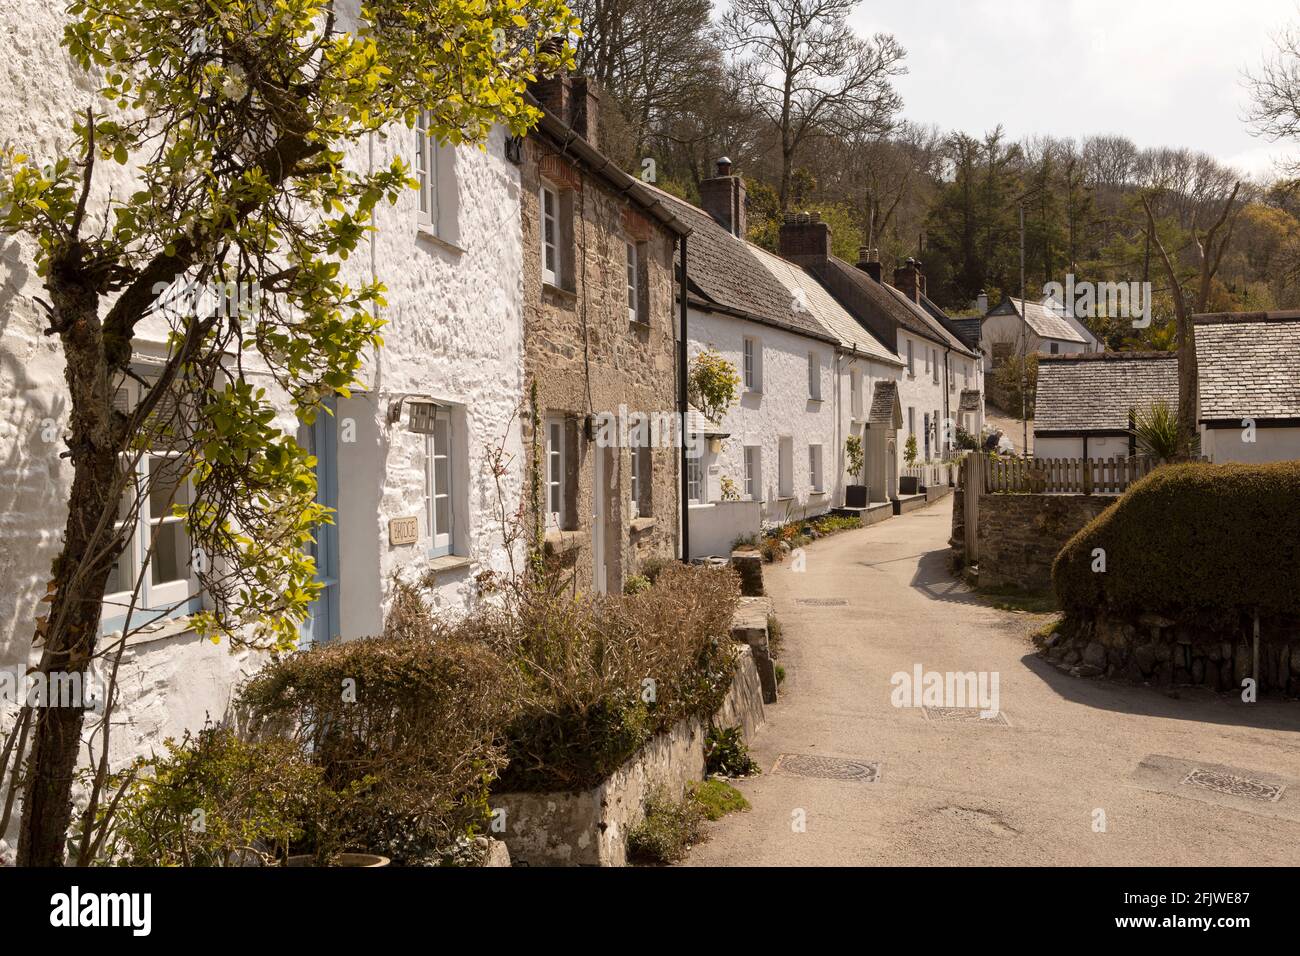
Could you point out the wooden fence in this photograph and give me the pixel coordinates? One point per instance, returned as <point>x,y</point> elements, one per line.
<point>1080,476</point>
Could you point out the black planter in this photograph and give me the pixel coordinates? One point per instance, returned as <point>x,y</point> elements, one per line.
<point>855,496</point>
<point>908,485</point>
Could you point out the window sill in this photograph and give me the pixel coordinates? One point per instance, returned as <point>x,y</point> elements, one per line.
<point>813,400</point>
<point>560,542</point>
<point>785,498</point>
<point>161,631</point>
<point>700,505</point>
<point>567,294</point>
<point>427,233</point>
<point>446,563</point>
<point>642,524</point>
<point>638,325</point>
<point>817,494</point>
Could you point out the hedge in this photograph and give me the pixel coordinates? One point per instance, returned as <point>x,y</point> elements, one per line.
<point>1191,541</point>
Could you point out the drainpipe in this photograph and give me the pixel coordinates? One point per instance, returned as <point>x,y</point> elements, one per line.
<point>683,409</point>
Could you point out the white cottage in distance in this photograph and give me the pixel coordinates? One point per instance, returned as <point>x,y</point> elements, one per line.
<point>412,499</point>
<point>1043,328</point>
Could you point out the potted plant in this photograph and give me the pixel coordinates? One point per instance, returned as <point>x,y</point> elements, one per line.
<point>909,484</point>
<point>855,496</point>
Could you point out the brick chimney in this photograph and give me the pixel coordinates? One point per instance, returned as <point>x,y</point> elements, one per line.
<point>574,101</point>
<point>723,198</point>
<point>869,262</point>
<point>586,110</point>
<point>910,280</point>
<point>805,236</point>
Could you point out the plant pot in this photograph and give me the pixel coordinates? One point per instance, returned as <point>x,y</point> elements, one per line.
<point>343,859</point>
<point>908,484</point>
<point>855,496</point>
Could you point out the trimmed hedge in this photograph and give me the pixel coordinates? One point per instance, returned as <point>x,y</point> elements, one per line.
<point>1191,541</point>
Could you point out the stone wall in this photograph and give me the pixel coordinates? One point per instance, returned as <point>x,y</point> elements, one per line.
<point>1019,536</point>
<point>590,827</point>
<point>1152,649</point>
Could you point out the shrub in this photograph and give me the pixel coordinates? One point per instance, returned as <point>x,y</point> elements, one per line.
<point>669,829</point>
<point>636,583</point>
<point>653,565</point>
<point>1156,433</point>
<point>909,450</point>
<point>213,799</point>
<point>725,753</point>
<point>854,456</point>
<point>599,677</point>
<point>413,720</point>
<point>1191,540</point>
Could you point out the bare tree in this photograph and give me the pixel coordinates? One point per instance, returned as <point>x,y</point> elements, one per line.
<point>1210,245</point>
<point>807,71</point>
<point>1275,90</point>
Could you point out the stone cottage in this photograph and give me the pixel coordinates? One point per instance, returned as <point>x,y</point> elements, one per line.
<point>601,348</point>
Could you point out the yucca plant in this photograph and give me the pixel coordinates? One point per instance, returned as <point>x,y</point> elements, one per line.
<point>1156,432</point>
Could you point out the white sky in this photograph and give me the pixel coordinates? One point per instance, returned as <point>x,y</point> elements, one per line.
<point>1161,72</point>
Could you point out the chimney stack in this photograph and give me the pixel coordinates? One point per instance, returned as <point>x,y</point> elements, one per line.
<point>982,303</point>
<point>574,101</point>
<point>723,198</point>
<point>910,280</point>
<point>869,262</point>
<point>805,236</point>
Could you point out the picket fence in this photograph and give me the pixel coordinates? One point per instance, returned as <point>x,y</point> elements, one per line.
<point>1085,476</point>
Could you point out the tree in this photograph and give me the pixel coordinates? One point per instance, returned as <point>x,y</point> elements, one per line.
<point>238,117</point>
<point>1210,244</point>
<point>808,73</point>
<point>655,57</point>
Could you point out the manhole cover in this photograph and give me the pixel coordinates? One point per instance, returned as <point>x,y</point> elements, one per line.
<point>967,715</point>
<point>827,768</point>
<point>822,602</point>
<point>1233,785</point>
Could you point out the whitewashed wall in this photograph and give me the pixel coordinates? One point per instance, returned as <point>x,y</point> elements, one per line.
<point>1270,444</point>
<point>454,333</point>
<point>782,410</point>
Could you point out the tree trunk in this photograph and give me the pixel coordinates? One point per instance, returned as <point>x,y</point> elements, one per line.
<point>72,628</point>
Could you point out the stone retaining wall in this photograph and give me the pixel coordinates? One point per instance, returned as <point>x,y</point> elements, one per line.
<point>1155,650</point>
<point>1019,536</point>
<point>590,827</point>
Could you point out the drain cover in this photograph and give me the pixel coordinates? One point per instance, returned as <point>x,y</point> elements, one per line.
<point>967,715</point>
<point>827,768</point>
<point>822,602</point>
<point>1233,785</point>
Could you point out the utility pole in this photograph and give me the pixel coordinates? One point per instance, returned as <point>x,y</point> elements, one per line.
<point>1024,338</point>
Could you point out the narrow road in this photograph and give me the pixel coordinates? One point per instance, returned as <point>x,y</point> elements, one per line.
<point>1082,772</point>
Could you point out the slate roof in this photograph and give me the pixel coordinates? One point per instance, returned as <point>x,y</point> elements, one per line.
<point>726,271</point>
<point>1094,391</point>
<point>896,306</point>
<point>1249,365</point>
<point>885,407</point>
<point>970,400</point>
<point>968,330</point>
<point>1044,322</point>
<point>824,307</point>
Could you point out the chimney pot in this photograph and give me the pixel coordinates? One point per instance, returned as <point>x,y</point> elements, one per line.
<point>724,166</point>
